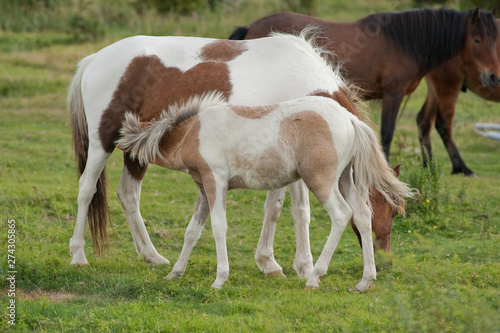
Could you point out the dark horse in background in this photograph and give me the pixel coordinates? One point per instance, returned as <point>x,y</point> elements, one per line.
<point>387,54</point>
<point>443,87</point>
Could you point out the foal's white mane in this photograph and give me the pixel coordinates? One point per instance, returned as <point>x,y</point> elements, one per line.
<point>144,143</point>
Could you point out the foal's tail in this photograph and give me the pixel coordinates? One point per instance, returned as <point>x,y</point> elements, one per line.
<point>372,170</point>
<point>142,140</point>
<point>98,210</point>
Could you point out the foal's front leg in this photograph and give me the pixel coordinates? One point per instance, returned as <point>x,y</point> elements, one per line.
<point>301,211</point>
<point>219,229</point>
<point>192,235</point>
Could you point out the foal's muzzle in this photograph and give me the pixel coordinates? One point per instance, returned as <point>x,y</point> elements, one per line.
<point>490,80</point>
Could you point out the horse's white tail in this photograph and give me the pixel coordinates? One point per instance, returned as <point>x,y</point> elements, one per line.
<point>372,170</point>
<point>98,209</point>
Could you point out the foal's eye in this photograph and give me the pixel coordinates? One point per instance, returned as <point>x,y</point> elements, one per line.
<point>477,40</point>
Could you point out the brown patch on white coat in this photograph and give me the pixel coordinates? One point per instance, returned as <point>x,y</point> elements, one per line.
<point>222,50</point>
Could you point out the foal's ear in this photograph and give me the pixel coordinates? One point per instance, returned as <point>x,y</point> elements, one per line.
<point>396,170</point>
<point>476,16</point>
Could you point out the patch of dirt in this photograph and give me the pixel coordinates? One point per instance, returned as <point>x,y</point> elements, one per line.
<point>54,296</point>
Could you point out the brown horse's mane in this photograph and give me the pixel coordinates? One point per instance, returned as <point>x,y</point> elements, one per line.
<point>431,36</point>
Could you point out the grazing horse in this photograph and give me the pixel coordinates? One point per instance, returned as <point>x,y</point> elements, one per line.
<point>312,138</point>
<point>443,87</point>
<point>145,75</point>
<point>387,54</point>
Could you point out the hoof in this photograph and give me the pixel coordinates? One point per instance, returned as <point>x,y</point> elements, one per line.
<point>363,286</point>
<point>79,261</point>
<point>312,287</point>
<point>275,273</point>
<point>173,276</point>
<point>156,260</point>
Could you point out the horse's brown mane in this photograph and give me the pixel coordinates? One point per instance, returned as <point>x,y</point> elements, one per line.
<point>431,36</point>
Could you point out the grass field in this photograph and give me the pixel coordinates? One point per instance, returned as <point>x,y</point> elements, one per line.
<point>446,251</point>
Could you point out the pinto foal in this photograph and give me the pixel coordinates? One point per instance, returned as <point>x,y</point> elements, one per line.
<point>312,138</point>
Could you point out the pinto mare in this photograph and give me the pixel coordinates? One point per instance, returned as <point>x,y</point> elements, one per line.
<point>387,54</point>
<point>443,88</point>
<point>312,138</point>
<point>145,75</point>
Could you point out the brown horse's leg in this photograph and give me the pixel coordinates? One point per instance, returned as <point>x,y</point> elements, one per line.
<point>390,108</point>
<point>444,83</point>
<point>447,96</point>
<point>425,119</point>
<point>444,123</point>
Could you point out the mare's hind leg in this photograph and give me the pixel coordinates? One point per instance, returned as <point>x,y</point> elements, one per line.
<point>129,193</point>
<point>340,213</point>
<point>192,235</point>
<point>97,159</point>
<point>303,263</point>
<point>264,255</point>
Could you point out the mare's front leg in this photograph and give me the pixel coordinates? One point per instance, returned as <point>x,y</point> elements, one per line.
<point>192,234</point>
<point>301,211</point>
<point>390,108</point>
<point>129,193</point>
<point>264,255</point>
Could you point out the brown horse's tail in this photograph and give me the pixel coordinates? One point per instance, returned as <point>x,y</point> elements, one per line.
<point>98,213</point>
<point>239,33</point>
<point>373,171</point>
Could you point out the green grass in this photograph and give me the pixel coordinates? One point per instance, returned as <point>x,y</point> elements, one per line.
<point>446,271</point>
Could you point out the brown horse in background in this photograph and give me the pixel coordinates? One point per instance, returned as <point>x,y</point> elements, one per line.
<point>387,54</point>
<point>443,87</point>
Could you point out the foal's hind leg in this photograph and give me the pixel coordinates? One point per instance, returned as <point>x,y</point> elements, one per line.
<point>362,219</point>
<point>192,235</point>
<point>264,255</point>
<point>340,213</point>
<point>129,193</point>
<point>97,159</point>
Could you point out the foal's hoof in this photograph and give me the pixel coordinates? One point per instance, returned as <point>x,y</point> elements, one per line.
<point>172,276</point>
<point>363,286</point>
<point>275,273</point>
<point>312,287</point>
